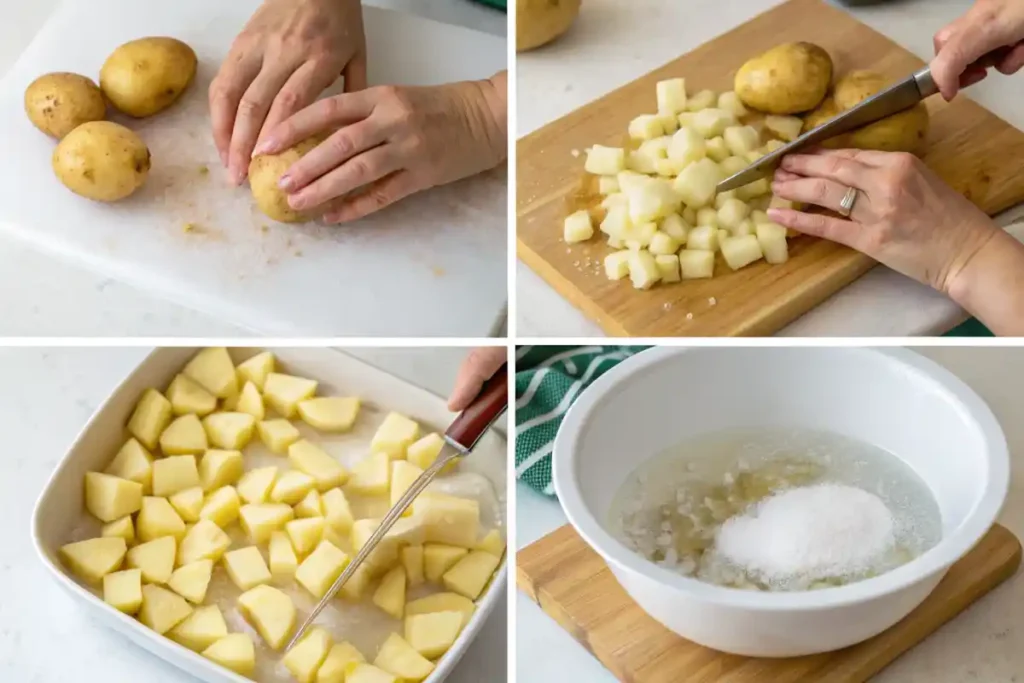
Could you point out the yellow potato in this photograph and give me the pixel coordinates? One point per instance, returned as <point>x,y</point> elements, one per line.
<point>538,22</point>
<point>787,79</point>
<point>145,76</point>
<point>102,160</point>
<point>58,103</point>
<point>264,172</point>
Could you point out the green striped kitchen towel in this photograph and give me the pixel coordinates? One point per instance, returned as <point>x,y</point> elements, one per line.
<point>548,380</point>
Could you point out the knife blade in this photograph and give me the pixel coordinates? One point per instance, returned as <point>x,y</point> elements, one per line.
<point>892,100</point>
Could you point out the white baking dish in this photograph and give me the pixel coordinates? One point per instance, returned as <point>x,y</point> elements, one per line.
<point>59,512</point>
<point>892,398</point>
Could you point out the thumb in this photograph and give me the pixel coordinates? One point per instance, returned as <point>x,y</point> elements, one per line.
<point>355,73</point>
<point>479,366</point>
<point>962,48</point>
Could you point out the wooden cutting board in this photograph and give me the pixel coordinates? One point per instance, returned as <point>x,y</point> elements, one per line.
<point>573,585</point>
<point>973,150</point>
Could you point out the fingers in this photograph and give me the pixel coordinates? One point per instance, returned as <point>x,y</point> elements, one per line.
<point>1013,61</point>
<point>357,172</point>
<point>479,366</point>
<point>252,112</point>
<point>322,115</point>
<point>300,91</point>
<point>332,153</point>
<point>866,157</point>
<point>971,75</point>
<point>355,73</point>
<point>818,191</point>
<point>378,195</point>
<point>966,45</point>
<point>836,167</point>
<point>235,75</point>
<point>825,227</point>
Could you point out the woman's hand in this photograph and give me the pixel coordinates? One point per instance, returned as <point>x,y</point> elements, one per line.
<point>391,142</point>
<point>479,366</point>
<point>908,219</point>
<point>990,26</point>
<point>284,58</point>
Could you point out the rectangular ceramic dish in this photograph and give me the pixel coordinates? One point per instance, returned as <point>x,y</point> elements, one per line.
<point>59,512</point>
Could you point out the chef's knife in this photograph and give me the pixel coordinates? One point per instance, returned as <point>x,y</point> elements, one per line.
<point>460,438</point>
<point>892,100</point>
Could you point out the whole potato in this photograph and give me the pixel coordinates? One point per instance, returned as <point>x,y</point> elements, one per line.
<point>264,172</point>
<point>787,79</point>
<point>58,103</point>
<point>102,160</point>
<point>145,76</point>
<point>538,22</point>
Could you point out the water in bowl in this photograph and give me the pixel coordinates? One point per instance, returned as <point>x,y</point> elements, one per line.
<point>671,509</point>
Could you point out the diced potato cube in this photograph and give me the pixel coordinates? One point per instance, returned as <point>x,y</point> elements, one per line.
<point>443,602</point>
<point>367,673</point>
<point>93,559</point>
<point>291,487</point>
<point>305,534</point>
<point>470,574</point>
<point>708,216</point>
<point>356,586</point>
<point>255,485</point>
<point>231,431</point>
<point>250,402</point>
<point>155,559</point>
<point>157,518</point>
<point>646,127</point>
<point>741,251</point>
<point>234,652</point>
<point>439,558</point>
<point>640,236</point>
<point>338,659</point>
<point>433,634</point>
<point>403,474</point>
<point>108,497</point>
<point>685,119</point>
<point>390,594</point>
<point>758,216</point>
<point>330,413</point>
<point>259,520</point>
<point>746,227</point>
<point>120,528</point>
<point>695,264</point>
<point>786,127</point>
<point>204,541</point>
<point>201,629</point>
<point>257,369</point>
<point>753,156</point>
<point>669,122</point>
<point>607,185</point>
<point>283,561</point>
<point>321,569</point>
<point>686,147</point>
<point>174,474</point>
<point>772,238</point>
<point>187,396</point>
<point>327,473</point>
<point>405,531</point>
<point>702,100</point>
<point>758,188</point>
<point>773,146</point>
<point>412,562</point>
<point>134,463</point>
<point>577,227</point>
<point>306,657</point>
<point>220,468</point>
<point>732,213</point>
<point>617,223</point>
<point>151,417</point>
<point>213,370</point>
<point>492,543</point>
<point>741,139</point>
<point>162,610</point>
<point>730,102</point>
<point>448,519</point>
<point>717,149</point>
<point>675,227</point>
<point>697,183</point>
<point>668,267</point>
<point>246,567</point>
<point>702,238</point>
<point>310,506</point>
<point>641,162</point>
<point>663,243</point>
<point>188,504</point>
<point>671,95</point>
<point>337,512</point>
<point>605,160</point>
<point>221,507</point>
<point>731,166</point>
<point>191,580</point>
<point>712,122</point>
<point>123,590</point>
<point>651,201</point>
<point>616,264</point>
<point>723,235</point>
<point>270,612</point>
<point>372,476</point>
<point>394,435</point>
<point>399,658</point>
<point>643,270</point>
<point>277,435</point>
<point>284,392</point>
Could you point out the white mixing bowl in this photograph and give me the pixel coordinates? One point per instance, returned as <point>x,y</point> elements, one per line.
<point>892,398</point>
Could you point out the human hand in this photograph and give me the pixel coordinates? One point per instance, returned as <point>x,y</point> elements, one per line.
<point>479,366</point>
<point>904,215</point>
<point>989,26</point>
<point>391,142</point>
<point>289,52</point>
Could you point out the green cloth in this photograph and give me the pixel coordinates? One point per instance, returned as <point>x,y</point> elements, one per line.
<point>969,328</point>
<point>548,380</point>
<point>496,4</point>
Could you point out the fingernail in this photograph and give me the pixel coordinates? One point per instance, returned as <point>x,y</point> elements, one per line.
<point>286,183</point>
<point>263,147</point>
<point>774,213</point>
<point>297,201</point>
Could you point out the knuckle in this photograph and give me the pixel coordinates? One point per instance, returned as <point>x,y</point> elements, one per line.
<point>819,190</point>
<point>340,145</point>
<point>361,168</point>
<point>289,99</point>
<point>904,165</point>
<point>248,107</point>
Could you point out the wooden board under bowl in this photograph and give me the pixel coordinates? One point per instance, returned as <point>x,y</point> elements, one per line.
<point>972,149</point>
<point>572,584</point>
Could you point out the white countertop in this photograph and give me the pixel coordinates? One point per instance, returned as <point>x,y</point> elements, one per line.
<point>44,636</point>
<point>619,42</point>
<point>983,643</point>
<point>56,299</point>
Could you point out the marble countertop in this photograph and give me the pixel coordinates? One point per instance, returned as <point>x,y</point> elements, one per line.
<point>984,643</point>
<point>56,299</point>
<point>619,42</point>
<point>51,393</point>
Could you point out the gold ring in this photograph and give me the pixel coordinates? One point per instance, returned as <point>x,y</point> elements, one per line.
<point>849,199</point>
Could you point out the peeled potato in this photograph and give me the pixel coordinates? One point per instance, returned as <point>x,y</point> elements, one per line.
<point>538,22</point>
<point>787,79</point>
<point>58,103</point>
<point>145,76</point>
<point>264,172</point>
<point>102,160</point>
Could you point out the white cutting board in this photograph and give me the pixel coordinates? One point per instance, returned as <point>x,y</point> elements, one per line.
<point>432,265</point>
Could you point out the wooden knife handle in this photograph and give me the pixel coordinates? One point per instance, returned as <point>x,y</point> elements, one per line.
<point>489,404</point>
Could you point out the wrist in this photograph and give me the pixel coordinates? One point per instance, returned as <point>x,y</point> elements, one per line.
<point>990,286</point>
<point>486,118</point>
